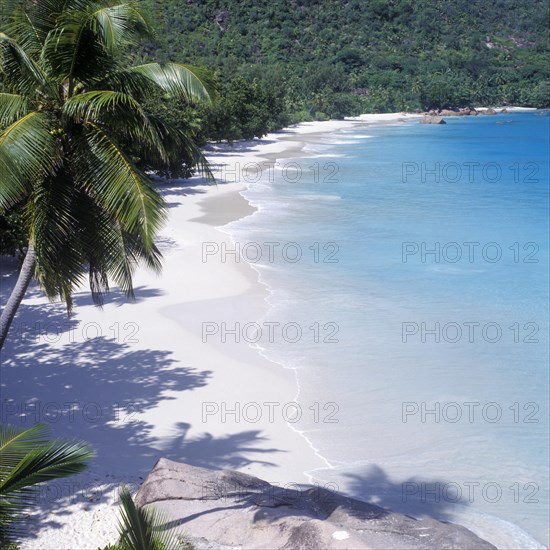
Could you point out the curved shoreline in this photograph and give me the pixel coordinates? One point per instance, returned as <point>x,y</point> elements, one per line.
<point>291,147</point>
<point>265,152</point>
<point>478,522</point>
<point>168,417</point>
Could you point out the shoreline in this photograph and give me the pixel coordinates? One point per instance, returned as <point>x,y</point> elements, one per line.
<point>486,526</point>
<point>170,415</point>
<point>136,380</point>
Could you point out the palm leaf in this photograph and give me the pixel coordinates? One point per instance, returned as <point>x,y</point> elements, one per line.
<point>178,144</point>
<point>118,186</point>
<point>23,28</point>
<point>74,53</point>
<point>12,107</point>
<point>46,13</point>
<point>119,111</point>
<point>109,251</point>
<point>185,81</point>
<point>81,46</point>
<point>27,459</point>
<point>92,105</point>
<point>55,232</point>
<point>28,153</point>
<point>135,84</point>
<point>118,25</point>
<point>57,459</point>
<point>16,443</point>
<point>123,253</point>
<point>24,74</point>
<point>140,529</point>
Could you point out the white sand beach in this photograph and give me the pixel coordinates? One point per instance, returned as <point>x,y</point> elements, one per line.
<point>138,380</point>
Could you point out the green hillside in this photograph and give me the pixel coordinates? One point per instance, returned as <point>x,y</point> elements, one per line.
<point>285,61</point>
<point>330,58</point>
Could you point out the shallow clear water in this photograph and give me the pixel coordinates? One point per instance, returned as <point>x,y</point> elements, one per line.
<point>422,296</point>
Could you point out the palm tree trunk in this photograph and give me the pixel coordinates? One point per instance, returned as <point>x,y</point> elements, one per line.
<point>25,276</point>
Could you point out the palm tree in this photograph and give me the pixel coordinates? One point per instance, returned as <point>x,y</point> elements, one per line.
<point>74,132</point>
<point>27,459</point>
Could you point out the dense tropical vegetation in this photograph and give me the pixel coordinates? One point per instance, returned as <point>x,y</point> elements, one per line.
<point>27,459</point>
<point>76,139</point>
<point>300,59</point>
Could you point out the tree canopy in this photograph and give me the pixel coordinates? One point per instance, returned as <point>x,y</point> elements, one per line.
<point>340,57</point>
<point>76,140</point>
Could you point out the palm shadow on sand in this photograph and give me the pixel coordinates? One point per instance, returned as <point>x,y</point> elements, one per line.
<point>97,390</point>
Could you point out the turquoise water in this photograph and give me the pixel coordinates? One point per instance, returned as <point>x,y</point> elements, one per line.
<point>422,296</point>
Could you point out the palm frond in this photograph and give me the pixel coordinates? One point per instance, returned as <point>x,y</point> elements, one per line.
<point>95,237</point>
<point>123,253</point>
<point>55,233</point>
<point>16,443</point>
<point>23,29</point>
<point>46,13</point>
<point>178,80</point>
<point>179,147</point>
<point>135,525</point>
<point>118,186</point>
<point>135,84</point>
<point>27,459</point>
<point>28,153</point>
<point>118,111</point>
<point>140,529</point>
<point>73,52</point>
<point>43,16</point>
<point>94,34</point>
<point>196,156</point>
<point>12,107</point>
<point>22,72</point>
<point>92,106</point>
<point>122,261</point>
<point>57,459</point>
<point>119,25</point>
<point>130,251</point>
<point>109,251</point>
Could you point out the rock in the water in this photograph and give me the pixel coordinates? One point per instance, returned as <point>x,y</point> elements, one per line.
<point>225,509</point>
<point>432,119</point>
<point>448,112</point>
<point>458,112</point>
<point>488,112</point>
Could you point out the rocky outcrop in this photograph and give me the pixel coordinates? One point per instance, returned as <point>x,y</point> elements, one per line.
<point>226,509</point>
<point>436,117</point>
<point>488,112</point>
<point>458,112</point>
<point>494,45</point>
<point>448,112</point>
<point>521,42</point>
<point>221,17</point>
<point>432,119</point>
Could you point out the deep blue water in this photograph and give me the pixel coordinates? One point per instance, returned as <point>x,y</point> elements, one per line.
<point>425,254</point>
